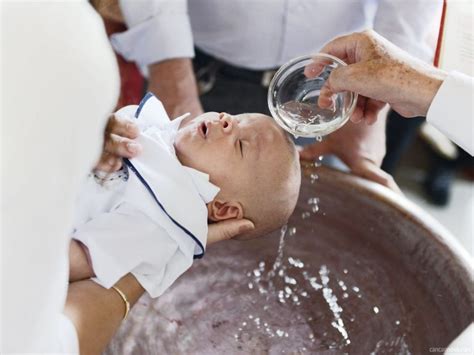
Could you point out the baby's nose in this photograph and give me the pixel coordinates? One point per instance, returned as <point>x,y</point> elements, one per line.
<point>226,122</point>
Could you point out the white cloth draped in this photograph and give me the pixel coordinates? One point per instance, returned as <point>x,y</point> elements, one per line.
<point>154,223</point>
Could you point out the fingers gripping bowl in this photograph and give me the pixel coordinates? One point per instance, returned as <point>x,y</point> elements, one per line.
<point>293,98</point>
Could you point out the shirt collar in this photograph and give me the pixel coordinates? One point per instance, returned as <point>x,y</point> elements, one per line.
<point>206,189</point>
<point>151,115</point>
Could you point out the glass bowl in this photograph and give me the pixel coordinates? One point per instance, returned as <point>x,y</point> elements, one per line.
<point>293,98</point>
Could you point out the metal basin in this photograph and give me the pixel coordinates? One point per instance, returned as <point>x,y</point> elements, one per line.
<point>362,271</point>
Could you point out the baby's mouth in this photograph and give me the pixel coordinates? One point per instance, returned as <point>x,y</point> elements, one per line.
<point>203,129</point>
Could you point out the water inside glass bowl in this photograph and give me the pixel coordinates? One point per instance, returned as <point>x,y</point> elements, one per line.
<point>293,98</point>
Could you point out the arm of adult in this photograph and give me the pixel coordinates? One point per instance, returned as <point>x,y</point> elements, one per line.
<point>159,39</point>
<point>97,312</point>
<point>378,70</point>
<point>174,82</point>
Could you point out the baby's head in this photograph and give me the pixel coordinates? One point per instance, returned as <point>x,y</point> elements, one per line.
<point>251,159</point>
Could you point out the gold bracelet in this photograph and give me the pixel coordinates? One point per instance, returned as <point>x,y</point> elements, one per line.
<point>125,300</point>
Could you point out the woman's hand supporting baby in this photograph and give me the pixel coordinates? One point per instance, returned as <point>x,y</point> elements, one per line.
<point>119,143</point>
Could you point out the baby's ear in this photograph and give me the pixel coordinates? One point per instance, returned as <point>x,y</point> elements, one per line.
<point>221,210</point>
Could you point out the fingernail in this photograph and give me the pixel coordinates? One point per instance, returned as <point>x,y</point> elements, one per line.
<point>134,148</point>
<point>246,227</point>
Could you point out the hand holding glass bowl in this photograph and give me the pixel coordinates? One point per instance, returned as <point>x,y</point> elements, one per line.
<point>293,98</point>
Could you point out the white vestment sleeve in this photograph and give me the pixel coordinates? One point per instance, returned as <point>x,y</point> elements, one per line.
<point>452,110</point>
<point>157,30</point>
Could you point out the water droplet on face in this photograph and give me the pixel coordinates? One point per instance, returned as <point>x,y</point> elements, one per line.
<point>250,285</point>
<point>397,322</point>
<point>356,289</point>
<point>292,231</point>
<point>305,215</point>
<point>376,310</point>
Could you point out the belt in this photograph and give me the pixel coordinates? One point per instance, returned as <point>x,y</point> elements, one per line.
<point>207,67</point>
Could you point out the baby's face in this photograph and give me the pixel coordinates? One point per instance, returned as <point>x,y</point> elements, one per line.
<point>231,148</point>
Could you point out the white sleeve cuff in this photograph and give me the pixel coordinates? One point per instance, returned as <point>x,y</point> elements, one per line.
<point>156,39</point>
<point>452,110</point>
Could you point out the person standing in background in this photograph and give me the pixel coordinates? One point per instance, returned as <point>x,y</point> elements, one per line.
<point>220,55</point>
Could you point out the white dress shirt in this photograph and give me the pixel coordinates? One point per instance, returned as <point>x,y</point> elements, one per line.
<point>263,34</point>
<point>59,82</point>
<point>452,110</point>
<point>154,222</point>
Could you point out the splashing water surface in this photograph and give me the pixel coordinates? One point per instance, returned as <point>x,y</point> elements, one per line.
<point>324,291</point>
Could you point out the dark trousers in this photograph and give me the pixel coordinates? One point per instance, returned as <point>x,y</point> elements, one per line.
<point>233,90</point>
<point>400,133</point>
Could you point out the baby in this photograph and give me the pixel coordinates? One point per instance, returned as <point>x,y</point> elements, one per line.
<point>150,218</point>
